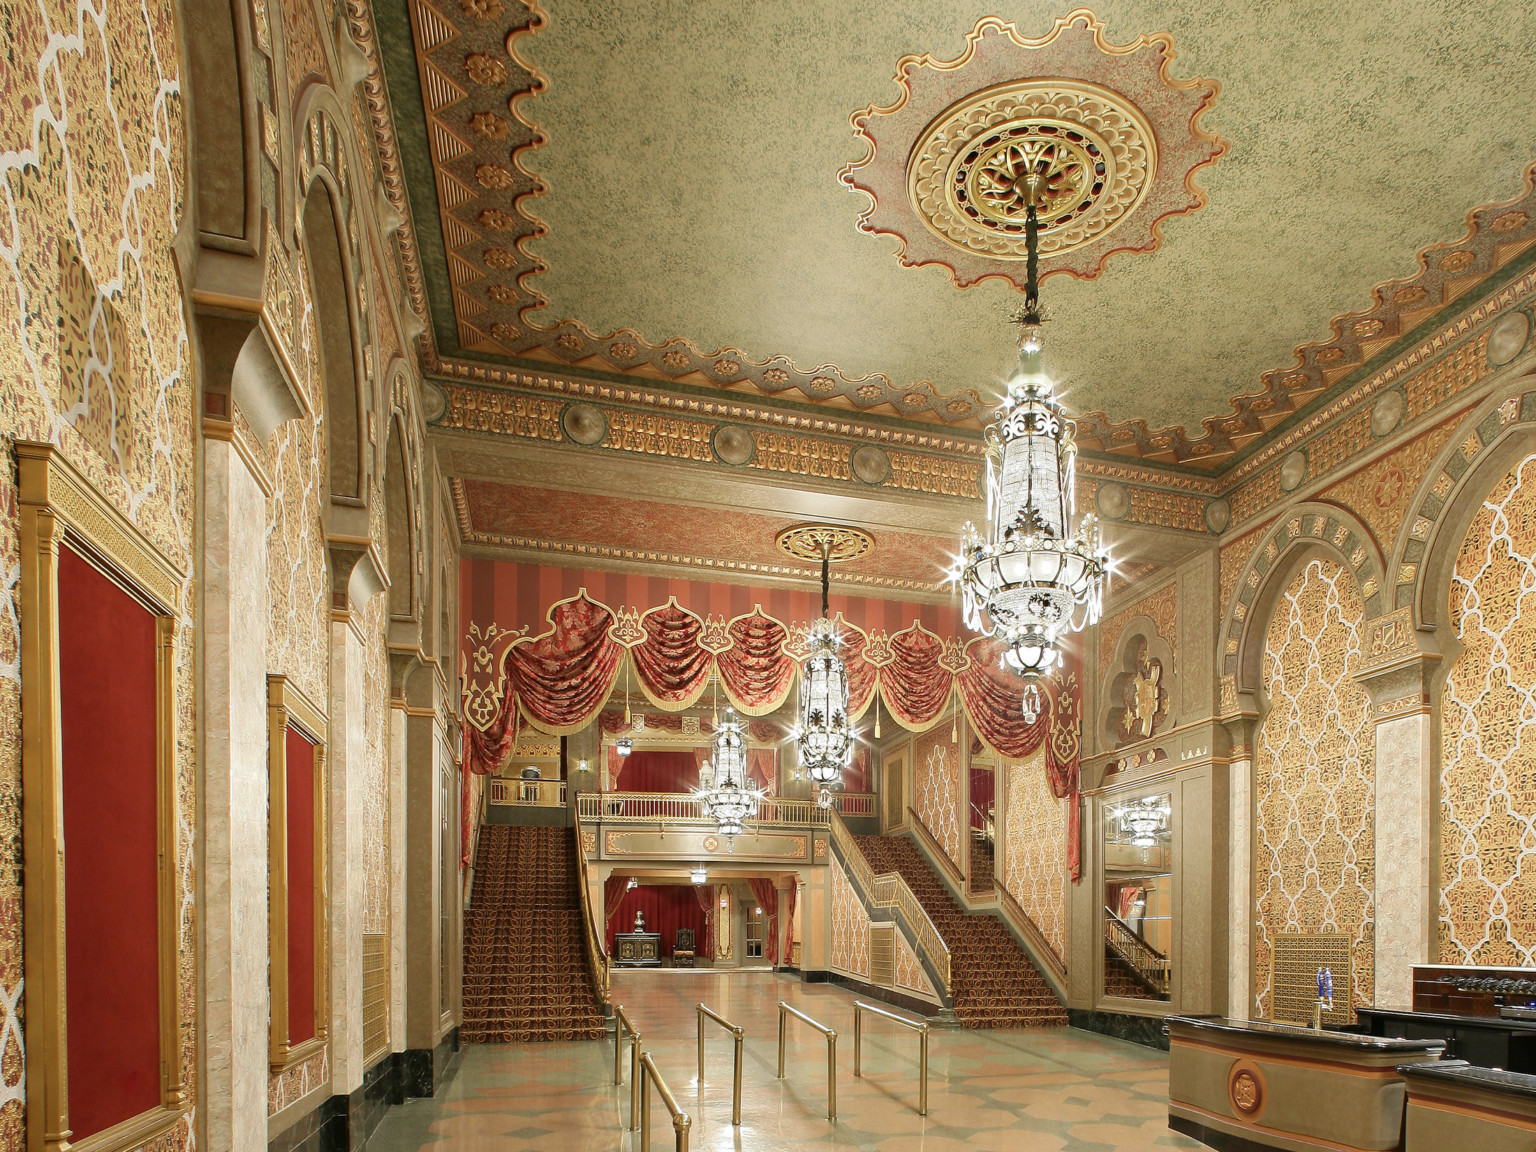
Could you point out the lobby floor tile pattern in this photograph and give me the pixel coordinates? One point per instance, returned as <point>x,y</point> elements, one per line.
<point>1037,1090</point>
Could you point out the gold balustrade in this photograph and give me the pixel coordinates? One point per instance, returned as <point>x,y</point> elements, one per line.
<point>525,793</point>
<point>682,808</point>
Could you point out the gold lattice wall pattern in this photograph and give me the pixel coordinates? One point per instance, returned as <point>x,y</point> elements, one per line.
<point>1488,734</point>
<point>1035,849</point>
<point>1315,778</point>
<point>936,787</point>
<point>850,926</point>
<point>93,358</point>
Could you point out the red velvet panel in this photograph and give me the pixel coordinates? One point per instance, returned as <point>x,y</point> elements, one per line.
<point>107,702</point>
<point>656,771</point>
<point>301,887</point>
<point>667,908</point>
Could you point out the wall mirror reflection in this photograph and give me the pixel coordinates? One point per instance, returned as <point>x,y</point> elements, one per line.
<point>1138,896</point>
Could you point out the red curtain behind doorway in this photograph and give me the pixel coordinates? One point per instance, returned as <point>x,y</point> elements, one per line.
<point>667,908</point>
<point>652,771</point>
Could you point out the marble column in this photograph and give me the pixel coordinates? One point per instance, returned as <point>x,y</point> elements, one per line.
<point>423,803</point>
<point>234,801</point>
<point>1240,893</point>
<point>1405,895</point>
<point>348,747</point>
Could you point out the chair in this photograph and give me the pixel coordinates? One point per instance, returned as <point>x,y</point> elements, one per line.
<point>682,949</point>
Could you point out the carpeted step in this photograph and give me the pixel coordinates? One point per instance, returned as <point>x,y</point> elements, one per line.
<point>993,982</point>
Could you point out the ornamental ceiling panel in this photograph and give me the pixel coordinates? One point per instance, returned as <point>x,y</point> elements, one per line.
<point>643,189</point>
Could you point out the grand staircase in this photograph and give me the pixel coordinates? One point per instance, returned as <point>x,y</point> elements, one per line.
<point>525,971</point>
<point>993,982</point>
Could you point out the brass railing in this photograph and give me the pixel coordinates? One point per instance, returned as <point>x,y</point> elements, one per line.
<point>683,809</point>
<point>1143,959</point>
<point>681,1122</point>
<point>527,793</point>
<point>920,1027</point>
<point>785,1011</point>
<point>889,890</point>
<point>597,955</point>
<point>621,1025</point>
<point>739,1033</point>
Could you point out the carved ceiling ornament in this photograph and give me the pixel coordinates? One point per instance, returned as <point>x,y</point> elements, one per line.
<point>1120,139</point>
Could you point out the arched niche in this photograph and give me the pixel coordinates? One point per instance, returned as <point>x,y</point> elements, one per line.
<point>400,512</point>
<point>339,338</point>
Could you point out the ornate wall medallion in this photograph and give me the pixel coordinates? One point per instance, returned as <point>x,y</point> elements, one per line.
<point>1246,1089</point>
<point>1119,138</point>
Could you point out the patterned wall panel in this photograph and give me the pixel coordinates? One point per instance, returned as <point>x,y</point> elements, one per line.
<point>936,787</point>
<point>1162,608</point>
<point>1381,492</point>
<point>1315,777</point>
<point>909,972</point>
<point>1034,861</point>
<point>93,357</point>
<point>850,927</point>
<point>1488,735</point>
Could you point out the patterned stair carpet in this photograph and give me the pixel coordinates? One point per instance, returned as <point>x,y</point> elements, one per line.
<point>995,984</point>
<point>1120,979</point>
<point>980,880</point>
<point>525,964</point>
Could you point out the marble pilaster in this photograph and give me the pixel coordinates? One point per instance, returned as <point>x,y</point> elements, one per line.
<point>348,747</point>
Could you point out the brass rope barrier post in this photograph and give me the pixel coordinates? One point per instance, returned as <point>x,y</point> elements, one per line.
<point>859,1008</point>
<point>681,1121</point>
<point>621,1024</point>
<point>739,1033</point>
<point>785,1011</point>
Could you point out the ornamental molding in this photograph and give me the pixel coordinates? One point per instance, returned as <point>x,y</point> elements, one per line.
<point>1120,137</point>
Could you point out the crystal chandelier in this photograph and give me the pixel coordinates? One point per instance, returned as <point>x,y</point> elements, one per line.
<point>1143,819</point>
<point>1029,581</point>
<point>723,790</point>
<point>824,734</point>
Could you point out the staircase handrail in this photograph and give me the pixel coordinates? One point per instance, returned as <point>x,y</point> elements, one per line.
<point>1150,965</point>
<point>597,955</point>
<point>889,890</point>
<point>683,808</point>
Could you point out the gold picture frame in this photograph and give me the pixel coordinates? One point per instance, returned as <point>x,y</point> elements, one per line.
<point>288,707</point>
<point>58,506</point>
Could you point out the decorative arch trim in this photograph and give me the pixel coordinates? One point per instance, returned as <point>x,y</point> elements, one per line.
<point>1308,527</point>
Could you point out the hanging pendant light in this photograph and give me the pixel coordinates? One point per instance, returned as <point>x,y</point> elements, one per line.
<point>1031,579</point>
<point>726,796</point>
<point>824,734</point>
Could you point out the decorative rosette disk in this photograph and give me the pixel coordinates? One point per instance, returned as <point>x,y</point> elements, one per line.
<point>1116,135</point>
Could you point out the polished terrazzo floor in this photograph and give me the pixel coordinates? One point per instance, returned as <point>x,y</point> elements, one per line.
<point>1053,1090</point>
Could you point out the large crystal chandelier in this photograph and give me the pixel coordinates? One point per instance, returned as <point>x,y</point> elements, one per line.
<point>726,796</point>
<point>1029,581</point>
<point>824,734</point>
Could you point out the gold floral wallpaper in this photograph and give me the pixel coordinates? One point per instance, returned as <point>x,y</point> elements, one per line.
<point>1034,861</point>
<point>93,357</point>
<point>850,926</point>
<point>936,787</point>
<point>1315,777</point>
<point>1487,908</point>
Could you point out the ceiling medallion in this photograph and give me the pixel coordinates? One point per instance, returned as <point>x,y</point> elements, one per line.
<point>1118,139</point>
<point>834,542</point>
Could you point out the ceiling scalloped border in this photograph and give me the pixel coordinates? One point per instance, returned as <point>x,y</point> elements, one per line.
<point>1173,192</point>
<point>1286,391</point>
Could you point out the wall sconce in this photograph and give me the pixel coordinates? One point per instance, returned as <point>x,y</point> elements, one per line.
<point>582,765</point>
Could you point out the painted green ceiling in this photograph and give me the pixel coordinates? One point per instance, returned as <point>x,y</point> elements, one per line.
<point>693,151</point>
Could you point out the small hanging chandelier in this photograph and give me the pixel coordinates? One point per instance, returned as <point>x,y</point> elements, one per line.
<point>1028,581</point>
<point>824,734</point>
<point>1142,820</point>
<point>723,790</point>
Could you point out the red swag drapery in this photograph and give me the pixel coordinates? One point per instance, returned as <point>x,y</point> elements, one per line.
<point>768,898</point>
<point>560,680</point>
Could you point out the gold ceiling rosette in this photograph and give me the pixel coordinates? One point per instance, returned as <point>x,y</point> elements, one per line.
<point>1118,137</point>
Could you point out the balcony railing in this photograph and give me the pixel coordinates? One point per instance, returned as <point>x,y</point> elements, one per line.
<point>682,808</point>
<point>528,793</point>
